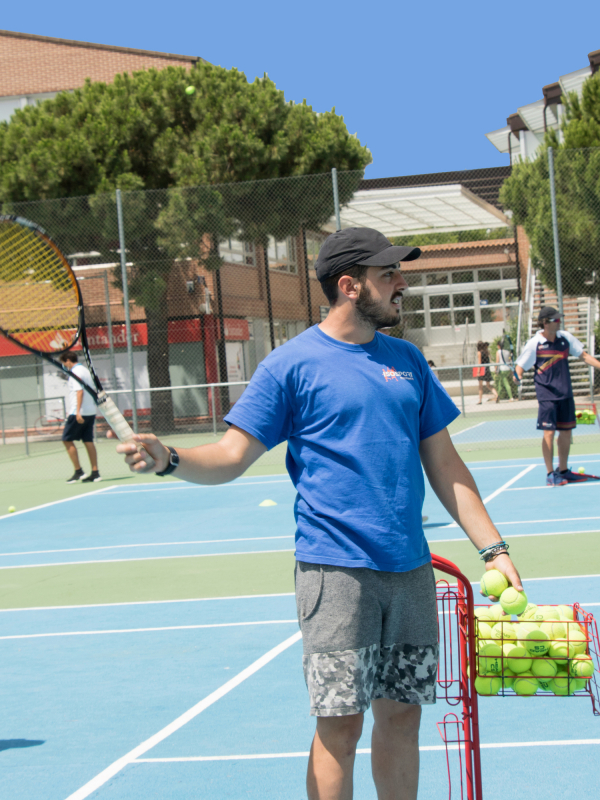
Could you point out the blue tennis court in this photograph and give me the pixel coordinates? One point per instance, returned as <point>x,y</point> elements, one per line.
<point>205,697</point>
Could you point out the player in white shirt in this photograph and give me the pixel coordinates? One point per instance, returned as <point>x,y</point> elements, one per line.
<point>81,416</point>
<point>548,352</point>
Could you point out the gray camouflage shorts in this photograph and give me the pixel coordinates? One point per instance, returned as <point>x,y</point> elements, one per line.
<point>366,635</point>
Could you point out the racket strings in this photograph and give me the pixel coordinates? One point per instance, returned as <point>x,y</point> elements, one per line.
<point>39,303</point>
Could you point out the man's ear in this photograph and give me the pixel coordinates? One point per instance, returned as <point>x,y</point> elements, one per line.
<point>348,286</point>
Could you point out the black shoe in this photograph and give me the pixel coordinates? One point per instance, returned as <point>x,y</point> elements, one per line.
<point>77,476</point>
<point>93,477</point>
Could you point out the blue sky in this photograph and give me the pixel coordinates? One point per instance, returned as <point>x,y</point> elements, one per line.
<point>420,83</point>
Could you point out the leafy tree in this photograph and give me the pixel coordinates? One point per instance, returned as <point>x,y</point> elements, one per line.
<point>577,179</point>
<point>144,132</point>
<point>419,239</point>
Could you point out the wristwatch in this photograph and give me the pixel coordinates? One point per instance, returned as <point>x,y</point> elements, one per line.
<point>173,463</point>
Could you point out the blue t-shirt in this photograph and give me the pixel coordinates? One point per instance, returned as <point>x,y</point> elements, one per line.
<point>353,416</point>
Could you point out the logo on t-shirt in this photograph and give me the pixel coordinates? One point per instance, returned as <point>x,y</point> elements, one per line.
<point>392,374</point>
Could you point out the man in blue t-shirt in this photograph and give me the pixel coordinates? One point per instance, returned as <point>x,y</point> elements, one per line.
<point>363,415</point>
<point>548,353</point>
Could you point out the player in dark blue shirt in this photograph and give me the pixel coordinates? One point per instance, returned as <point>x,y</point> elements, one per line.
<point>548,352</point>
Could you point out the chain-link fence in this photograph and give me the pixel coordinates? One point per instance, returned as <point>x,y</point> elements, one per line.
<point>186,290</point>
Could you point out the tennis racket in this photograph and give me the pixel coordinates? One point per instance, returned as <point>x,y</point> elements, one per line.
<point>511,365</point>
<point>41,309</point>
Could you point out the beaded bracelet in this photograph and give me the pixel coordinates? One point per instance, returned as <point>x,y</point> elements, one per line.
<point>492,546</point>
<point>491,554</point>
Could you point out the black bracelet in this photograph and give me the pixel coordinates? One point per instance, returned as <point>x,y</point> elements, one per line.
<point>492,546</point>
<point>491,554</point>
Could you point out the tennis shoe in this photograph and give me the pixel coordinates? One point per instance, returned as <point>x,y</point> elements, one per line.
<point>573,477</point>
<point>76,476</point>
<point>93,477</point>
<point>555,479</point>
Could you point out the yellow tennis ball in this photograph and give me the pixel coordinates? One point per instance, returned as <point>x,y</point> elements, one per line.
<point>577,639</point>
<point>544,668</point>
<point>512,601</point>
<point>483,612</point>
<point>559,650</point>
<point>529,612</point>
<point>497,612</point>
<point>554,629</point>
<point>581,470</point>
<point>526,685</point>
<point>489,659</point>
<point>566,612</point>
<point>483,630</point>
<point>518,660</point>
<point>582,666</point>
<point>11,509</point>
<point>487,686</point>
<point>493,583</point>
<point>533,639</point>
<point>562,685</point>
<point>190,89</point>
<point>503,631</point>
<point>508,678</point>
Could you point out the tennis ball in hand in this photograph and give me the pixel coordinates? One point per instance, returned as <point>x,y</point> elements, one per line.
<point>493,583</point>
<point>582,667</point>
<point>512,601</point>
<point>526,685</point>
<point>11,509</point>
<point>487,686</point>
<point>190,89</point>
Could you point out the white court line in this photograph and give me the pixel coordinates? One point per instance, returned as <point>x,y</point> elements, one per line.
<point>151,630</point>
<point>54,503</point>
<point>364,751</point>
<point>569,485</point>
<point>178,723</point>
<point>147,544</point>
<point>188,486</point>
<point>144,558</point>
<point>503,488</point>
<point>149,602</point>
<point>515,535</point>
<point>464,430</point>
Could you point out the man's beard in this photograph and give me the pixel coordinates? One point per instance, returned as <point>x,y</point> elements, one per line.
<point>371,312</point>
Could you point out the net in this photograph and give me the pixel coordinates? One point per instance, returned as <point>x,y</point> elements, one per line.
<point>38,294</point>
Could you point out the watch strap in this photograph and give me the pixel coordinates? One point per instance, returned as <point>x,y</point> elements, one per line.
<point>173,462</point>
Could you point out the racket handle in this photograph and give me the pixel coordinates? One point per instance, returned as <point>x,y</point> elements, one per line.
<point>119,424</point>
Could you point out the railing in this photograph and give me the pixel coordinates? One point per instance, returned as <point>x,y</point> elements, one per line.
<point>23,404</point>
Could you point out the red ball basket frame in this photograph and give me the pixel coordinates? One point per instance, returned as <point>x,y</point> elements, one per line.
<point>456,632</point>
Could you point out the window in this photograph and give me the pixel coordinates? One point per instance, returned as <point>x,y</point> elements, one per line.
<point>435,278</point>
<point>490,297</point>
<point>413,279</point>
<point>410,305</point>
<point>440,319</point>
<point>489,275</point>
<point>282,255</point>
<point>235,251</point>
<point>462,277</point>
<point>439,301</point>
<point>509,273</point>
<point>463,300</point>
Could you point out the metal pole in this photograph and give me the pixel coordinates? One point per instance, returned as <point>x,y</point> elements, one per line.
<point>2,415</point>
<point>462,391</point>
<point>519,325</point>
<point>25,428</point>
<point>268,291</point>
<point>336,199</point>
<point>559,292</point>
<point>126,305</point>
<point>111,345</point>
<point>214,410</point>
<point>307,276</point>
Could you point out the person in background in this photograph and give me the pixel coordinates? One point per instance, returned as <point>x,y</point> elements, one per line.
<point>80,420</point>
<point>484,375</point>
<point>548,353</point>
<point>503,359</point>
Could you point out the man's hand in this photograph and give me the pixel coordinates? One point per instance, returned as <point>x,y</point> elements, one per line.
<point>134,453</point>
<point>504,565</point>
<point>79,418</point>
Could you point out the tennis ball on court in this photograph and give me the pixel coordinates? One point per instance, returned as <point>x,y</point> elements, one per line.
<point>582,666</point>
<point>581,470</point>
<point>487,686</point>
<point>554,629</point>
<point>11,509</point>
<point>566,612</point>
<point>489,660</point>
<point>529,612</point>
<point>526,685</point>
<point>560,651</point>
<point>518,660</point>
<point>512,601</point>
<point>544,668</point>
<point>493,583</point>
<point>190,89</point>
<point>504,631</point>
<point>534,640</point>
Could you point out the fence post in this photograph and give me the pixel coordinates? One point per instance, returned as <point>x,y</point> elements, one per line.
<point>2,416</point>
<point>268,290</point>
<point>110,333</point>
<point>559,292</point>
<point>25,428</point>
<point>307,275</point>
<point>126,306</point>
<point>214,410</point>
<point>336,199</point>
<point>462,390</point>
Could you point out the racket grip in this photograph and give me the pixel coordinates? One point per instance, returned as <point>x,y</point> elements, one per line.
<point>119,424</point>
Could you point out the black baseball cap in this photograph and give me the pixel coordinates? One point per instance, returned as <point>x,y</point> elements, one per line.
<point>359,247</point>
<point>547,312</point>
